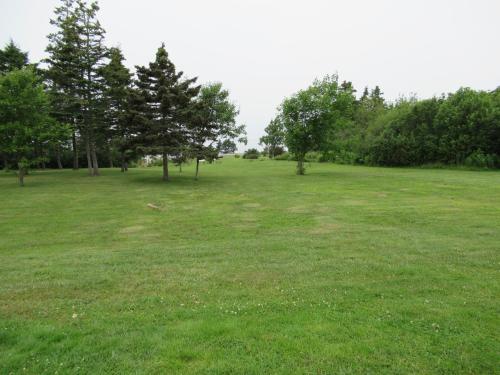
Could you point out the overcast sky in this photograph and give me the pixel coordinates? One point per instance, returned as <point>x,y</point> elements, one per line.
<point>263,50</point>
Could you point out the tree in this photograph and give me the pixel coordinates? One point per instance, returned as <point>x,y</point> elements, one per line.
<point>64,70</point>
<point>92,52</point>
<point>11,57</point>
<point>466,122</point>
<point>168,100</point>
<point>228,146</point>
<point>311,116</point>
<point>24,118</point>
<point>251,153</point>
<point>274,137</point>
<point>213,127</point>
<point>133,127</point>
<point>117,81</point>
<point>76,54</point>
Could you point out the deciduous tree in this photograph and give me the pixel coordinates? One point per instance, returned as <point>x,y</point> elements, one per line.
<point>24,118</point>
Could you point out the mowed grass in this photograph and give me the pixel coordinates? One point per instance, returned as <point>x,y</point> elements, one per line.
<point>250,270</point>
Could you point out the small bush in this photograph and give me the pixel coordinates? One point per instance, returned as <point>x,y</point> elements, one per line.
<point>478,159</point>
<point>133,164</point>
<point>284,156</point>
<point>313,156</point>
<point>236,156</point>
<point>251,154</point>
<point>346,157</point>
<point>155,162</point>
<point>278,150</point>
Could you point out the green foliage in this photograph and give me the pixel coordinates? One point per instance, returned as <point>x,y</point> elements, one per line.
<point>274,138</point>
<point>445,130</point>
<point>111,117</point>
<point>212,128</point>
<point>313,156</point>
<point>251,153</point>
<point>168,102</point>
<point>478,159</point>
<point>76,54</point>
<point>25,124</point>
<point>116,96</point>
<point>312,116</point>
<point>283,156</point>
<point>12,58</point>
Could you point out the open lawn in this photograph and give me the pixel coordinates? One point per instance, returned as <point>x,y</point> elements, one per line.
<point>250,270</point>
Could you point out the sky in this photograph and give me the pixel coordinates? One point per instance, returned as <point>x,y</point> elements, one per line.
<point>263,50</point>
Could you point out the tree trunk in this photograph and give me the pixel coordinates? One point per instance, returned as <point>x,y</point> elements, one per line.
<point>5,162</point>
<point>89,157</point>
<point>22,173</point>
<point>197,167</point>
<point>75,151</point>
<point>300,165</point>
<point>58,156</point>
<point>180,167</point>
<point>165,166</point>
<point>42,157</point>
<point>110,157</point>
<point>122,158</point>
<point>95,165</point>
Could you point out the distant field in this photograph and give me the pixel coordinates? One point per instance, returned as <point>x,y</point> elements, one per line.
<point>251,270</point>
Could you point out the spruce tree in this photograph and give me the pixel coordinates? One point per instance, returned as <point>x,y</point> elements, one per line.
<point>169,102</point>
<point>11,57</point>
<point>64,70</point>
<point>90,85</point>
<point>117,81</point>
<point>133,126</point>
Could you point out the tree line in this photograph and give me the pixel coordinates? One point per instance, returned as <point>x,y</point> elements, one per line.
<point>83,105</point>
<point>328,122</point>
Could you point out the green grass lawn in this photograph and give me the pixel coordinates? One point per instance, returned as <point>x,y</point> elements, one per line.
<point>250,270</point>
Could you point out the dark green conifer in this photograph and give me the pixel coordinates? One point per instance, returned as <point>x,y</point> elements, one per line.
<point>169,99</point>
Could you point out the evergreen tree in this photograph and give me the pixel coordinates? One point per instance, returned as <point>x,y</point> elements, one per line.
<point>90,85</point>
<point>11,57</point>
<point>169,103</point>
<point>64,70</point>
<point>377,98</point>
<point>117,81</point>
<point>133,127</point>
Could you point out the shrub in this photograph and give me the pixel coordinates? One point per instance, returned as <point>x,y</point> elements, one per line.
<point>284,156</point>
<point>155,162</point>
<point>347,157</point>
<point>251,154</point>
<point>236,156</point>
<point>313,156</point>
<point>278,150</point>
<point>478,159</point>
